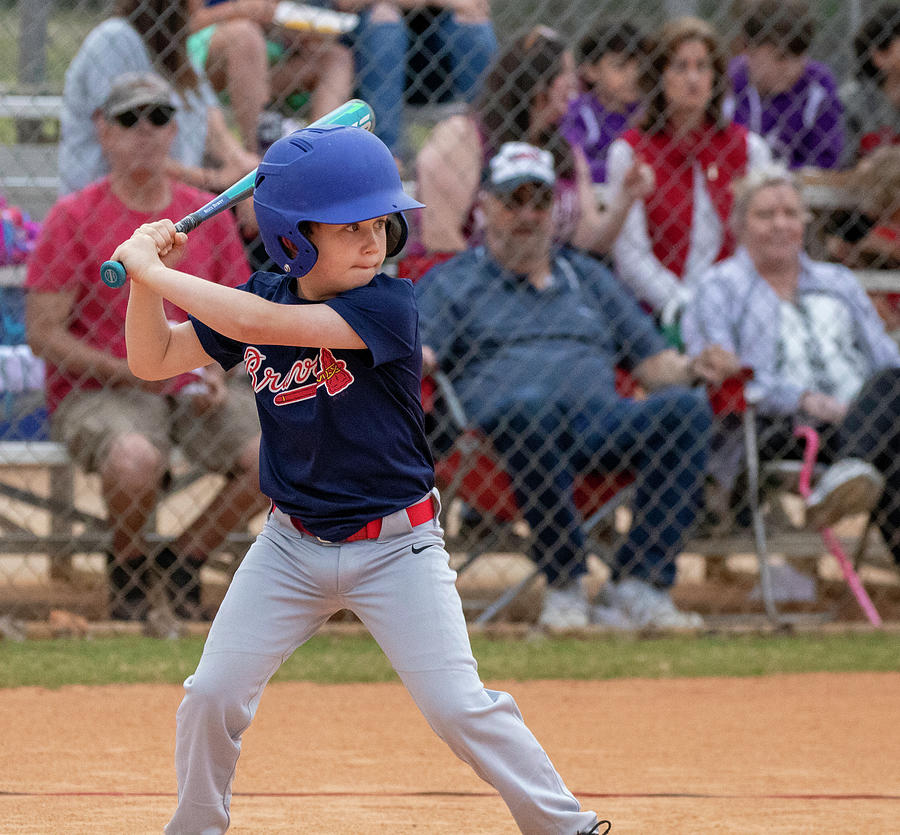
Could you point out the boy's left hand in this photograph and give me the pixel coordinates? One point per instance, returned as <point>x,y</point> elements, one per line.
<point>149,245</point>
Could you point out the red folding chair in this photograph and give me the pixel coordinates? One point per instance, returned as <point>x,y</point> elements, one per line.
<point>469,470</point>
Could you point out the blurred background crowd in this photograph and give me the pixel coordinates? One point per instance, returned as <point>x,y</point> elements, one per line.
<point>719,184</point>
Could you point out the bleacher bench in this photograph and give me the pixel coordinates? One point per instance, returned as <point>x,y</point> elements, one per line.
<point>72,530</point>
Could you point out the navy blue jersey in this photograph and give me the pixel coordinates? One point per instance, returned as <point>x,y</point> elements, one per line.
<point>343,435</point>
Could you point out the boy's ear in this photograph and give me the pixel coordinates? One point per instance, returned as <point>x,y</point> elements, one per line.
<point>396,234</point>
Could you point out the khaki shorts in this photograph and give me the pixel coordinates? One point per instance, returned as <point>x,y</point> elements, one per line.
<point>87,422</point>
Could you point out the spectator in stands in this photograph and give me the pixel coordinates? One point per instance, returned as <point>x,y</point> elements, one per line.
<point>818,350</point>
<point>113,423</point>
<point>245,53</point>
<point>609,69</point>
<point>876,183</point>
<point>780,93</point>
<point>872,99</point>
<point>148,35</point>
<point>523,99</point>
<point>680,229</point>
<point>460,31</point>
<point>531,337</point>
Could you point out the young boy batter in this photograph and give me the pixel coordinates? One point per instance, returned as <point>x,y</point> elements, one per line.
<point>333,352</point>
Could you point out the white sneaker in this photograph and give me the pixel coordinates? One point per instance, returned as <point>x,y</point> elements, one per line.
<point>606,611</point>
<point>612,618</point>
<point>648,606</point>
<point>789,585</point>
<point>565,607</point>
<point>848,487</point>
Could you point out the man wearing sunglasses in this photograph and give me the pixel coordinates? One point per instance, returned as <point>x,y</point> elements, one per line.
<point>113,423</point>
<point>531,338</point>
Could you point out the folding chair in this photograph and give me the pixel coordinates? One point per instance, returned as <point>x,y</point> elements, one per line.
<point>765,480</point>
<point>469,470</point>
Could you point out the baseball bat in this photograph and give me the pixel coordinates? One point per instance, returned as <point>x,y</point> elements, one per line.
<point>353,113</point>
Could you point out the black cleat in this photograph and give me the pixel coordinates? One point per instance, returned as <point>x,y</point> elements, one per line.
<point>595,829</point>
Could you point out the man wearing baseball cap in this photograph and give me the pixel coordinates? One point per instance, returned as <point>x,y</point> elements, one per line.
<point>113,423</point>
<point>138,90</point>
<point>531,337</point>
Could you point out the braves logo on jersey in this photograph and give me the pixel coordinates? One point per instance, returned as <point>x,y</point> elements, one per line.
<point>292,387</point>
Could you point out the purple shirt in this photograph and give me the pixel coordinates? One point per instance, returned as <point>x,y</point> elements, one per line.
<point>803,125</point>
<point>590,126</point>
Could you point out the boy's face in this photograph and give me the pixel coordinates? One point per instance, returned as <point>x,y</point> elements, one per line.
<point>614,80</point>
<point>350,254</point>
<point>773,70</point>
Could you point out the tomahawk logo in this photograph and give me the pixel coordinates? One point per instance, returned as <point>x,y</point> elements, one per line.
<point>292,387</point>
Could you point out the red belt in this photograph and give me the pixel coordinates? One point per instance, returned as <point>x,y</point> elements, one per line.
<point>418,514</point>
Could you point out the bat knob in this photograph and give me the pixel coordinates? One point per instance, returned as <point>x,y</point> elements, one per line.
<point>112,273</point>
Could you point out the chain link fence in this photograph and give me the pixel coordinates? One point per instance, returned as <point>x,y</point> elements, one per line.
<point>419,69</point>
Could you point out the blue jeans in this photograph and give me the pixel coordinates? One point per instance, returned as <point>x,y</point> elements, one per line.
<point>663,441</point>
<point>381,52</point>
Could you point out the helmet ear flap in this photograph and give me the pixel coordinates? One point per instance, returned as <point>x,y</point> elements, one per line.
<point>397,232</point>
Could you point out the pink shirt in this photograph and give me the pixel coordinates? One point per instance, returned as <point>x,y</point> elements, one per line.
<point>82,230</point>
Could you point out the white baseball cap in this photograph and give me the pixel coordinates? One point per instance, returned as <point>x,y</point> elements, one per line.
<point>517,163</point>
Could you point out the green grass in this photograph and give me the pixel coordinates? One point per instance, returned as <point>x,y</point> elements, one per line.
<point>343,659</point>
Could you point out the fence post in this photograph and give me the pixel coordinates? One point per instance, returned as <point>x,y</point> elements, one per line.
<point>32,69</point>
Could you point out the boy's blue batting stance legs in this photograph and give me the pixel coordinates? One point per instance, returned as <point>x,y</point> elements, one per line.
<point>288,585</point>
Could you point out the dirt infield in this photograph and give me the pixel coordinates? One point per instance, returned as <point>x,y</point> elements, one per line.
<point>785,754</point>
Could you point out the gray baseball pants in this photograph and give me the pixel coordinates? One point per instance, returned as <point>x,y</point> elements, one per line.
<point>287,586</point>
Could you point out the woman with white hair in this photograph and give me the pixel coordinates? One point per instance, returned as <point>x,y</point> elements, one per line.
<point>818,349</point>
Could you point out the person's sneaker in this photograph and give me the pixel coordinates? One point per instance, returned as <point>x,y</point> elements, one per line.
<point>596,830</point>
<point>181,580</point>
<point>789,585</point>
<point>846,488</point>
<point>272,126</point>
<point>565,607</point>
<point>269,129</point>
<point>127,588</point>
<point>648,606</point>
<point>606,610</point>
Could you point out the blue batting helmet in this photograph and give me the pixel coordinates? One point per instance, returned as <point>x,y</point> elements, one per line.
<point>328,174</point>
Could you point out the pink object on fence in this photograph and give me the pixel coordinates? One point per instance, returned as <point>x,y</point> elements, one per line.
<point>831,541</point>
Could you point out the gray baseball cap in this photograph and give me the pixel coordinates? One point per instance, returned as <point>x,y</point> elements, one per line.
<point>137,89</point>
